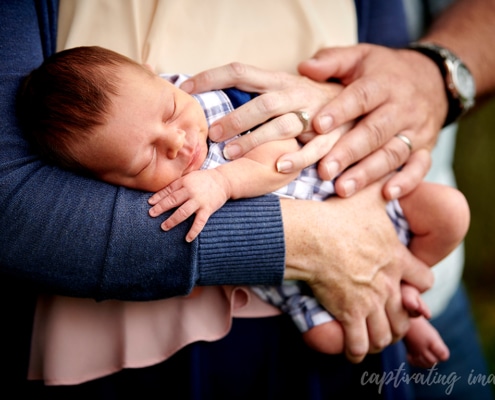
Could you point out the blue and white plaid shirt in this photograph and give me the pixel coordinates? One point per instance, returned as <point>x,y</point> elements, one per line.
<point>292,297</point>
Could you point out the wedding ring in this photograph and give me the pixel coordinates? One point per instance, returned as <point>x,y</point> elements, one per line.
<point>304,118</point>
<point>406,140</point>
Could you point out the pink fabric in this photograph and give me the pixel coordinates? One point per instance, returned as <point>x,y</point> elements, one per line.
<point>76,340</point>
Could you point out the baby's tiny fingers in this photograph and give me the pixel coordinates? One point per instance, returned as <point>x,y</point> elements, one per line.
<point>168,202</point>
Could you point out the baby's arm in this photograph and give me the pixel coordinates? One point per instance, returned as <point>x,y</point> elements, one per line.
<point>204,192</point>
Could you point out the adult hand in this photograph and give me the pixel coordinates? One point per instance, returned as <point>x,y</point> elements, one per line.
<point>273,111</point>
<point>392,92</point>
<point>348,252</point>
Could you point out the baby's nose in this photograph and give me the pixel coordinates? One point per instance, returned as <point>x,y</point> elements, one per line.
<point>174,142</point>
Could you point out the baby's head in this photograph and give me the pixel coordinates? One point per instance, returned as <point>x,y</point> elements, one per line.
<point>63,100</point>
<point>92,110</point>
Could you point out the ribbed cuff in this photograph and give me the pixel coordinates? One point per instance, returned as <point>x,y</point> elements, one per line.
<point>243,243</point>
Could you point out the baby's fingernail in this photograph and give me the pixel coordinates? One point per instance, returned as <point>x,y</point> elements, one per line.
<point>284,166</point>
<point>325,122</point>
<point>215,132</point>
<point>231,151</point>
<point>187,86</point>
<point>152,200</point>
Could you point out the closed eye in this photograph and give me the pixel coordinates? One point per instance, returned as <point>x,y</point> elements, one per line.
<point>150,162</point>
<point>170,112</point>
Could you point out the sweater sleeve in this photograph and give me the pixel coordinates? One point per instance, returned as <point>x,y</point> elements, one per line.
<point>75,236</point>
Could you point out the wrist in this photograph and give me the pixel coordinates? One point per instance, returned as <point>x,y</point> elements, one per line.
<point>299,239</point>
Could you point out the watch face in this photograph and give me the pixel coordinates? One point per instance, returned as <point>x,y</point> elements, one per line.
<point>464,83</point>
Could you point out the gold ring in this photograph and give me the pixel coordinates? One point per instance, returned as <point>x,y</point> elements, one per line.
<point>406,140</point>
<point>304,118</point>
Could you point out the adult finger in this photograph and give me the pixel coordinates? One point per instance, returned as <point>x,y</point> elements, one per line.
<point>355,339</point>
<point>361,94</point>
<point>333,62</point>
<point>313,151</point>
<point>243,76</point>
<point>378,164</point>
<point>409,176</point>
<point>379,331</point>
<point>285,126</point>
<point>398,316</point>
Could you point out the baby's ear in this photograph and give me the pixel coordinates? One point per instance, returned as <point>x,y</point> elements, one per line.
<point>149,66</point>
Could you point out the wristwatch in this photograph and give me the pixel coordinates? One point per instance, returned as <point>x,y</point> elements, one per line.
<point>459,82</point>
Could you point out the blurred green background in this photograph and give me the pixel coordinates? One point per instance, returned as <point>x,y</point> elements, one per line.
<point>475,171</point>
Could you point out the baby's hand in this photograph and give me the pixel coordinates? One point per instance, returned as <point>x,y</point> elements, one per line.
<point>201,192</point>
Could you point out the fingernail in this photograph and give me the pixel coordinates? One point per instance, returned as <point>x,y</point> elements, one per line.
<point>349,187</point>
<point>215,132</point>
<point>394,192</point>
<point>231,151</point>
<point>332,169</point>
<point>325,122</point>
<point>284,166</point>
<point>187,86</point>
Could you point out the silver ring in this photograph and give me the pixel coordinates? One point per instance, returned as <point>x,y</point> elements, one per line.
<point>304,118</point>
<point>406,140</point>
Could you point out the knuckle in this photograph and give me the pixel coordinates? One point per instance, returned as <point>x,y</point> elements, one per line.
<point>357,352</point>
<point>375,130</point>
<point>382,341</point>
<point>267,104</point>
<point>254,139</point>
<point>285,125</point>
<point>201,220</point>
<point>237,69</point>
<point>395,157</point>
<point>172,199</point>
<point>348,155</point>
<point>182,213</point>
<point>283,79</point>
<point>235,121</point>
<point>362,96</point>
<point>205,78</point>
